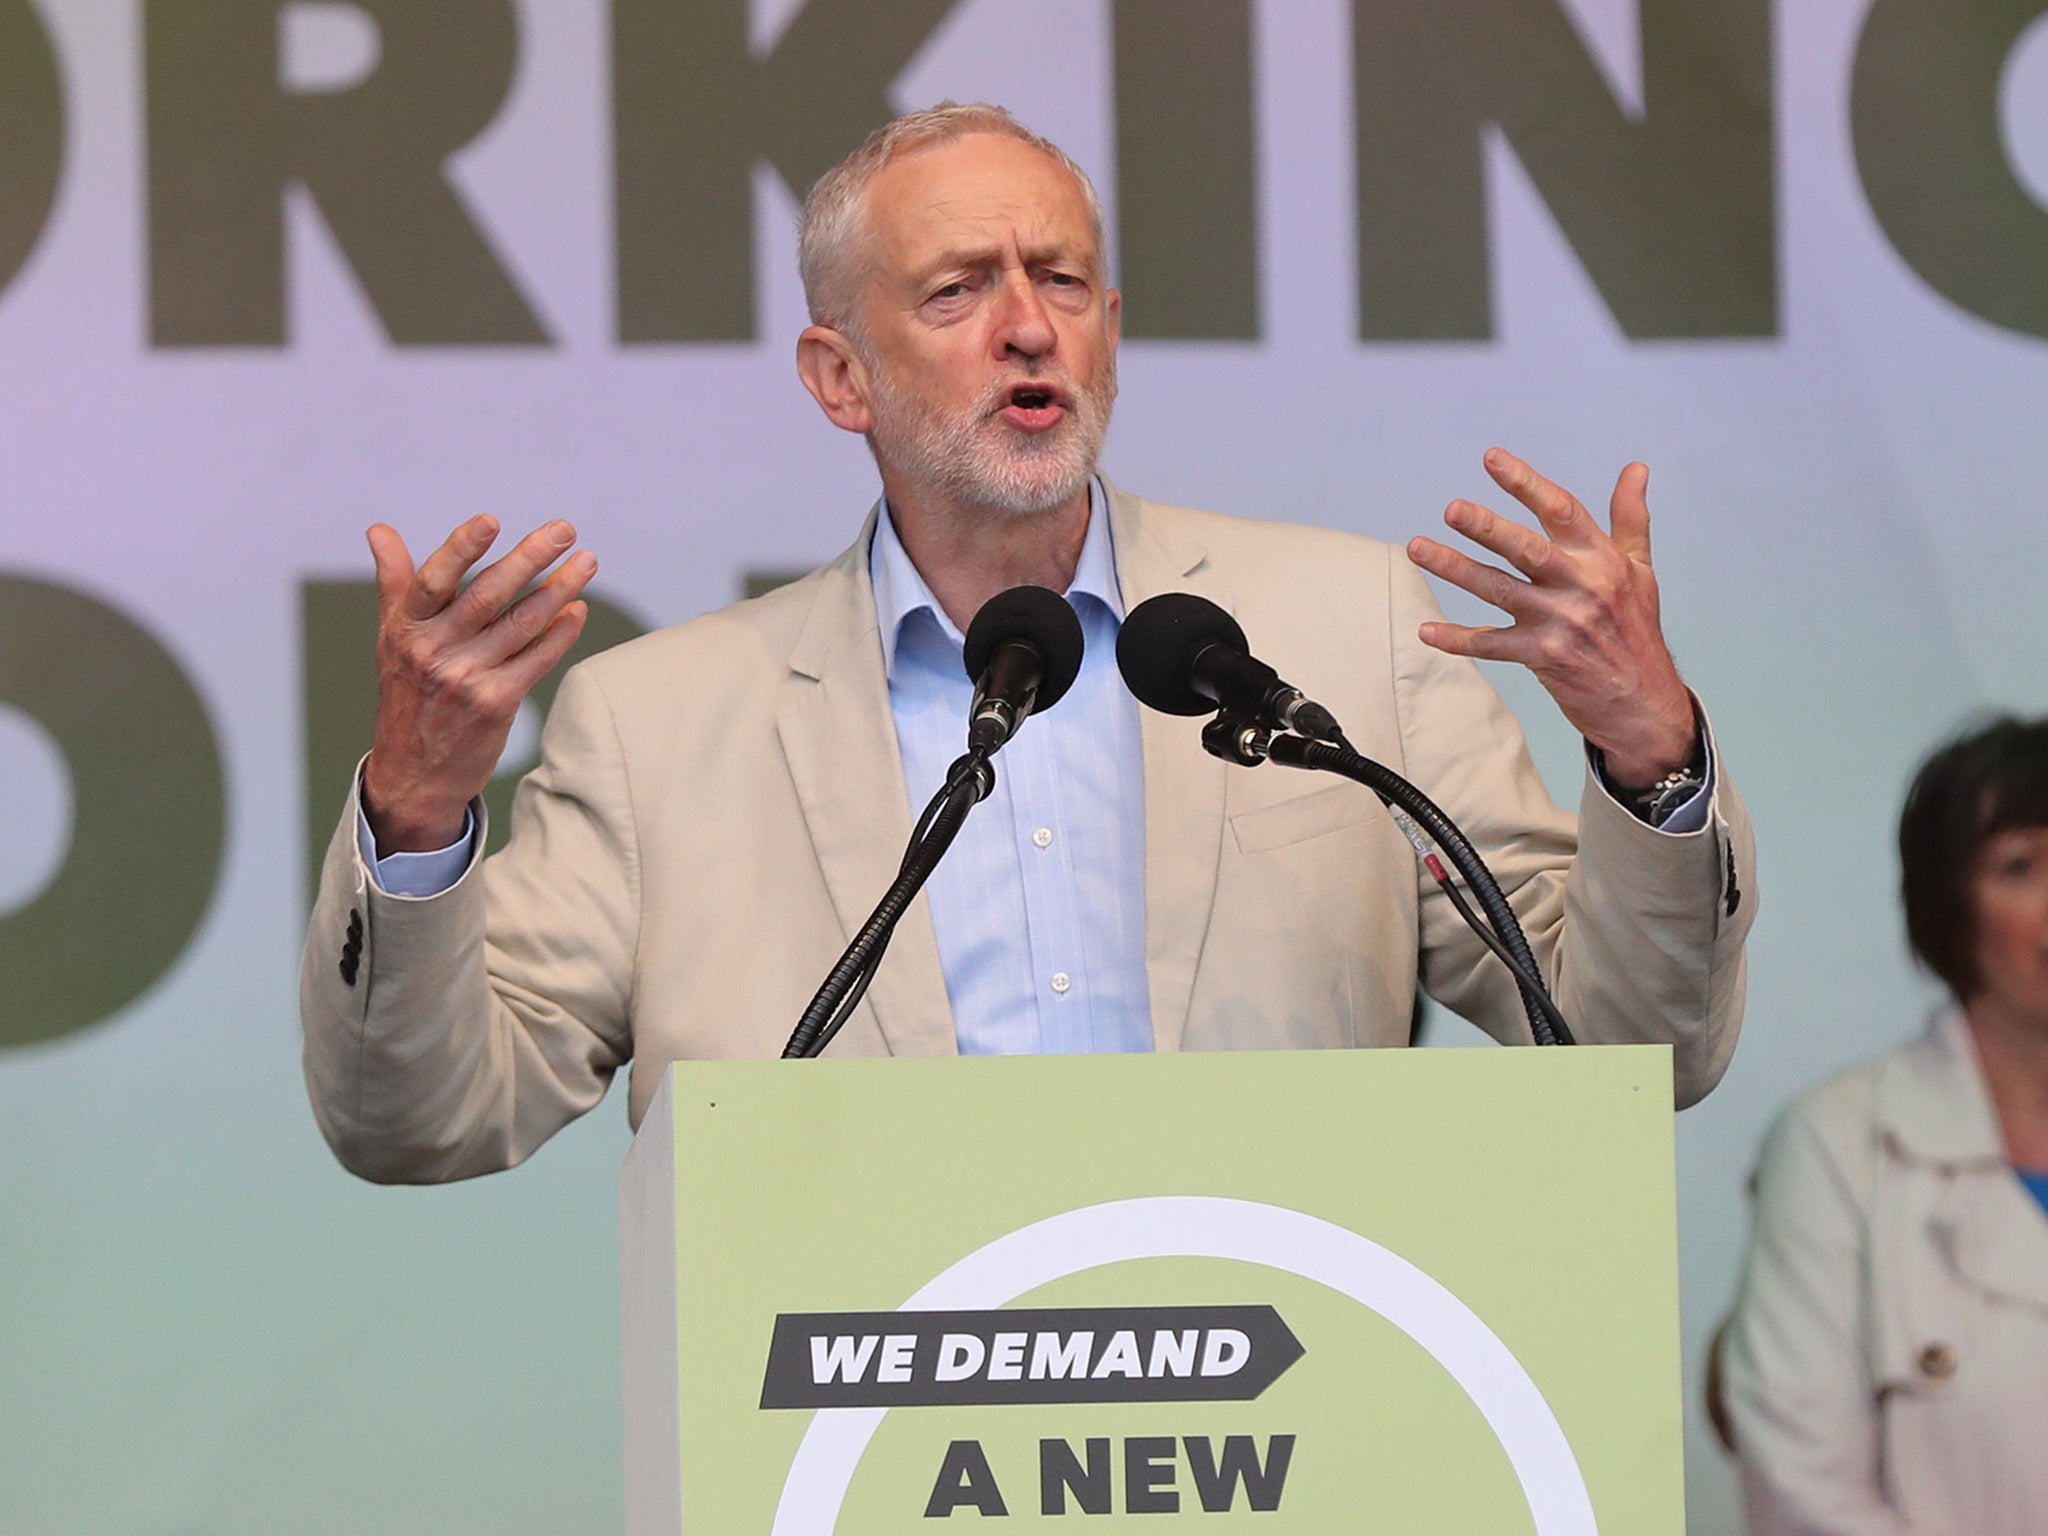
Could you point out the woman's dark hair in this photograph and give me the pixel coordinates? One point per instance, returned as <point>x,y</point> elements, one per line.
<point>1990,779</point>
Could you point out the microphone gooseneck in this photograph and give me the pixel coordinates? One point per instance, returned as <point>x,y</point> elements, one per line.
<point>1422,821</point>
<point>1023,652</point>
<point>967,784</point>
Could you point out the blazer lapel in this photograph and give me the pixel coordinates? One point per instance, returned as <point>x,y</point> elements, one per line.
<point>839,739</point>
<point>1184,786</point>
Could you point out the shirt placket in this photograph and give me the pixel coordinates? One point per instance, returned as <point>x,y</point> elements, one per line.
<point>1059,971</point>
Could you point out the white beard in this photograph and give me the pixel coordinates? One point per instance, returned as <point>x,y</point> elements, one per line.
<point>975,459</point>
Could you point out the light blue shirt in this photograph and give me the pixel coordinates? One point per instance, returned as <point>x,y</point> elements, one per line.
<point>1039,906</point>
<point>416,875</point>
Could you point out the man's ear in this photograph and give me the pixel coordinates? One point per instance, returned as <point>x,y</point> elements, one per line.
<point>1113,302</point>
<point>837,379</point>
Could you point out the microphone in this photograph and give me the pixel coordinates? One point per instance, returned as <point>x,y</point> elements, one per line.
<point>1023,652</point>
<point>1182,655</point>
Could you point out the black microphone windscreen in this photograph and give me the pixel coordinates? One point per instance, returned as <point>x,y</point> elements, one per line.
<point>1158,644</point>
<point>1042,619</point>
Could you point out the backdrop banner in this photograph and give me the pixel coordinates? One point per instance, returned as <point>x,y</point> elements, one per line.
<point>273,270</point>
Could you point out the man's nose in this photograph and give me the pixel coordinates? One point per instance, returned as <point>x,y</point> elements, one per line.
<point>1024,325</point>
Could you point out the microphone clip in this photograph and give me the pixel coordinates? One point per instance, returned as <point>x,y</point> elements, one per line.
<point>995,720</point>
<point>1237,739</point>
<point>973,763</point>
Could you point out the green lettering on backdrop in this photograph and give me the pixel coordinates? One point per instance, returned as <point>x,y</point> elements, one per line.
<point>695,109</point>
<point>149,811</point>
<point>338,632</point>
<point>1924,111</point>
<point>1671,213</point>
<point>31,133</point>
<point>1186,215</point>
<point>226,138</point>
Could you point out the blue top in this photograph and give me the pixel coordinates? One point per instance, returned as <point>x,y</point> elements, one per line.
<point>2036,1181</point>
<point>1039,907</point>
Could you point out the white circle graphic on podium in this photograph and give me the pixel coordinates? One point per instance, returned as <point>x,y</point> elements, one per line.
<point>1206,1227</point>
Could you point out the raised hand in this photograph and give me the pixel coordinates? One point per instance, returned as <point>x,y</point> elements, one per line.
<point>453,664</point>
<point>1585,618</point>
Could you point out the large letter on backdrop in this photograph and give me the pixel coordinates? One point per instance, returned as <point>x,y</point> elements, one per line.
<point>1185,211</point>
<point>695,110</point>
<point>1932,158</point>
<point>1671,213</point>
<point>149,810</point>
<point>31,133</point>
<point>226,138</point>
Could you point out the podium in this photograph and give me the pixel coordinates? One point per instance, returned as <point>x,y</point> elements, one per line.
<point>1301,1291</point>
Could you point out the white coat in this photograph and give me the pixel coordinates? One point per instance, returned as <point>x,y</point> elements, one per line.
<point>1887,1362</point>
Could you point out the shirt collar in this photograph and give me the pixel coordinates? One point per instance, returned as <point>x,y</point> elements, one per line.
<point>901,592</point>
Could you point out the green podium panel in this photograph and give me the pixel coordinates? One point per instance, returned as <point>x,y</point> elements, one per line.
<point>1309,1291</point>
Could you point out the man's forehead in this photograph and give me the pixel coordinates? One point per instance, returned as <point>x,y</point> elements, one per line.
<point>976,192</point>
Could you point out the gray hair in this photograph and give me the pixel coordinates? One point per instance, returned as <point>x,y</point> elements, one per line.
<point>831,227</point>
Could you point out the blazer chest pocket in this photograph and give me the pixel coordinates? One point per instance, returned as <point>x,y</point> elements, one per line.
<point>1316,814</point>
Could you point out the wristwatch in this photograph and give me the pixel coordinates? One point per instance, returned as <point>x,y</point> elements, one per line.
<point>1656,803</point>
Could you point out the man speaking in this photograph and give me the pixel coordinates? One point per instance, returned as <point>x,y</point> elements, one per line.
<point>719,805</point>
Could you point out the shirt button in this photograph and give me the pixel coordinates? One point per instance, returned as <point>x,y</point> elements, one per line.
<point>1042,837</point>
<point>1061,981</point>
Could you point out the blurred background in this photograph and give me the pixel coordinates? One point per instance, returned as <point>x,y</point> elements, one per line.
<point>272,271</point>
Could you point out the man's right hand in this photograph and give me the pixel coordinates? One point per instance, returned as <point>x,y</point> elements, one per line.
<point>453,664</point>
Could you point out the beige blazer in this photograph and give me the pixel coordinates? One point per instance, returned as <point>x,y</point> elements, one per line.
<point>1887,1363</point>
<point>719,805</point>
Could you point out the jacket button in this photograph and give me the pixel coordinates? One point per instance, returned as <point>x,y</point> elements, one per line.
<point>1938,1362</point>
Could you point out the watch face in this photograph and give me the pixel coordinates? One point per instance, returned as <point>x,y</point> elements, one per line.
<point>1669,793</point>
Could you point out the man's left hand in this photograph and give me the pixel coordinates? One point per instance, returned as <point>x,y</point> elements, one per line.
<point>1586,619</point>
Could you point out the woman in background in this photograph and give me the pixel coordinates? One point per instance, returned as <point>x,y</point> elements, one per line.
<point>1887,1362</point>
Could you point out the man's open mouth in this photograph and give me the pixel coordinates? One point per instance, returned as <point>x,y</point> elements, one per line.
<point>1034,406</point>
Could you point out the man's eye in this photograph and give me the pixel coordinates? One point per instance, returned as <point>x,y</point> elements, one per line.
<point>951,291</point>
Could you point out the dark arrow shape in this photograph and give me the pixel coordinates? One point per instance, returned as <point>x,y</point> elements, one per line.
<point>1045,1355</point>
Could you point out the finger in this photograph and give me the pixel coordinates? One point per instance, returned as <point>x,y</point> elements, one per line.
<point>394,565</point>
<point>436,582</point>
<point>1483,643</point>
<point>498,587</point>
<point>528,619</point>
<point>1629,513</point>
<point>540,658</point>
<point>1522,547</point>
<point>1556,508</point>
<point>1487,583</point>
